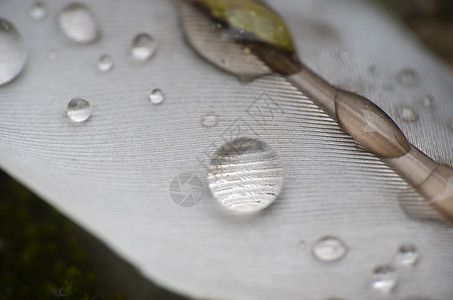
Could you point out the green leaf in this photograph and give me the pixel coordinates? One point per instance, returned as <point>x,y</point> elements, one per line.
<point>254,18</point>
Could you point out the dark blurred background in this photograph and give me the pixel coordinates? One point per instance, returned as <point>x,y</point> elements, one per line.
<point>43,255</point>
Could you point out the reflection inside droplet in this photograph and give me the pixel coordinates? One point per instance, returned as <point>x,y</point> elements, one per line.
<point>79,109</point>
<point>105,63</point>
<point>407,77</point>
<point>156,96</point>
<point>384,279</point>
<point>13,53</point>
<point>245,175</point>
<point>143,47</point>
<point>78,24</point>
<point>329,249</point>
<point>209,120</point>
<point>38,11</point>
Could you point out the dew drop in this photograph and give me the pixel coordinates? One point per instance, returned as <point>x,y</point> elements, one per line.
<point>407,114</point>
<point>13,53</point>
<point>52,54</point>
<point>78,24</point>
<point>407,77</point>
<point>384,279</point>
<point>38,11</point>
<point>143,47</point>
<point>344,56</point>
<point>79,109</point>
<point>329,249</point>
<point>407,255</point>
<point>245,176</point>
<point>156,96</point>
<point>105,63</point>
<point>209,120</point>
<point>428,101</point>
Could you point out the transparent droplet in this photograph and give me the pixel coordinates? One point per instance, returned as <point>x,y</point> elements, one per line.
<point>384,279</point>
<point>329,249</point>
<point>156,96</point>
<point>428,101</point>
<point>78,23</point>
<point>38,11</point>
<point>406,256</point>
<point>407,77</point>
<point>105,63</point>
<point>245,176</point>
<point>13,53</point>
<point>344,56</point>
<point>407,114</point>
<point>209,120</point>
<point>143,47</point>
<point>79,109</point>
<point>52,54</point>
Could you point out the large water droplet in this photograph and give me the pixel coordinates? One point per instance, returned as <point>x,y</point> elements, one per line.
<point>407,77</point>
<point>13,53</point>
<point>407,255</point>
<point>245,175</point>
<point>209,120</point>
<point>329,249</point>
<point>384,279</point>
<point>78,24</point>
<point>38,11</point>
<point>79,109</point>
<point>407,114</point>
<point>143,47</point>
<point>105,63</point>
<point>156,96</point>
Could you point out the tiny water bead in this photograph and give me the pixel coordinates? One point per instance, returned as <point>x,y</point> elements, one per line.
<point>143,47</point>
<point>209,120</point>
<point>407,114</point>
<point>105,63</point>
<point>428,101</point>
<point>13,52</point>
<point>156,96</point>
<point>38,11</point>
<point>78,24</point>
<point>406,256</point>
<point>245,175</point>
<point>329,249</point>
<point>344,56</point>
<point>384,279</point>
<point>52,54</point>
<point>407,77</point>
<point>79,109</point>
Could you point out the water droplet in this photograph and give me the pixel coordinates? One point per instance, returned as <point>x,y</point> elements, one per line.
<point>105,63</point>
<point>428,101</point>
<point>79,109</point>
<point>209,120</point>
<point>407,114</point>
<point>38,11</point>
<point>329,249</point>
<point>52,54</point>
<point>78,24</point>
<point>245,175</point>
<point>407,77</point>
<point>13,53</point>
<point>384,279</point>
<point>156,96</point>
<point>143,47</point>
<point>406,256</point>
<point>344,56</point>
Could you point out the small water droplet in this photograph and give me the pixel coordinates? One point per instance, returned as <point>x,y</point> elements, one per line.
<point>209,120</point>
<point>105,63</point>
<point>428,101</point>
<point>344,56</point>
<point>407,255</point>
<point>384,279</point>
<point>407,77</point>
<point>407,114</point>
<point>79,109</point>
<point>245,175</point>
<point>156,96</point>
<point>38,11</point>
<point>143,47</point>
<point>52,54</point>
<point>329,249</point>
<point>13,53</point>
<point>78,24</point>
